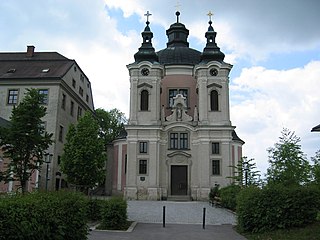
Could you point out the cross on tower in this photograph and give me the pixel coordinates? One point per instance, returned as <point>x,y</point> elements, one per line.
<point>148,14</point>
<point>210,14</point>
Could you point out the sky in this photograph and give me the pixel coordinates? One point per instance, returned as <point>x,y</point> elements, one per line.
<point>274,47</point>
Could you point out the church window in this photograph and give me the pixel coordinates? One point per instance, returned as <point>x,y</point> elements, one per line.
<point>142,166</point>
<point>179,141</point>
<point>144,101</point>
<point>183,140</point>
<point>216,167</point>
<point>214,100</point>
<point>215,148</point>
<point>174,92</point>
<point>143,147</point>
<point>13,96</point>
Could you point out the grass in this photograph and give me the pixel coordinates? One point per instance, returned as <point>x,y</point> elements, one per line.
<point>310,232</point>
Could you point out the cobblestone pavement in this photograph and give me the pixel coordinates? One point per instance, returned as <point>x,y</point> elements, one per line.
<point>178,212</point>
<point>183,222</point>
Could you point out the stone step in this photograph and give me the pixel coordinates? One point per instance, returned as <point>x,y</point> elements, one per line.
<point>179,198</point>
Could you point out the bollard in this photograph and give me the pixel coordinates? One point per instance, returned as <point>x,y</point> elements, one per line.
<point>204,218</point>
<point>164,217</point>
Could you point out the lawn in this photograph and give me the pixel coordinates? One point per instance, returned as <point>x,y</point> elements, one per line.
<point>310,232</point>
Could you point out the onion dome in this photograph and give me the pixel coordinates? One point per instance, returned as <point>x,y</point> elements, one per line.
<point>146,51</point>
<point>211,52</point>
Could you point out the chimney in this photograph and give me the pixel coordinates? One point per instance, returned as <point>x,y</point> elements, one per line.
<point>30,51</point>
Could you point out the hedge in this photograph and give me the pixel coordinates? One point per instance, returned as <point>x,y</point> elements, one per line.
<point>276,207</point>
<point>228,196</point>
<point>114,214</point>
<point>54,216</point>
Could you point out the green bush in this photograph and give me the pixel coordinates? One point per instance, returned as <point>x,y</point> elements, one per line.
<point>114,214</point>
<point>276,207</point>
<point>228,196</point>
<point>94,209</point>
<point>56,215</point>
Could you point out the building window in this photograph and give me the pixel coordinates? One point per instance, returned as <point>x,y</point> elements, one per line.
<point>173,140</point>
<point>45,94</point>
<point>71,108</point>
<point>13,96</point>
<point>216,167</point>
<point>179,141</point>
<point>73,83</point>
<point>63,104</point>
<point>184,141</point>
<point>81,77</point>
<point>59,160</point>
<point>143,147</point>
<point>87,98</point>
<point>142,166</point>
<point>61,134</point>
<point>174,92</point>
<point>214,100</point>
<point>81,91</point>
<point>144,103</point>
<point>215,148</point>
<point>79,113</point>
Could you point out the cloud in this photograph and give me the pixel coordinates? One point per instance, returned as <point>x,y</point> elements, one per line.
<point>275,99</point>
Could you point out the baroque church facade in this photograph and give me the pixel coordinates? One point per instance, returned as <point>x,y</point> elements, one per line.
<point>180,140</point>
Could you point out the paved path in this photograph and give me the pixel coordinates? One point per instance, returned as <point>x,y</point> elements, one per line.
<point>183,221</point>
<point>178,212</point>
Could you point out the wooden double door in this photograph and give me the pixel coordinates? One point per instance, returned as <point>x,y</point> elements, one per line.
<point>179,180</point>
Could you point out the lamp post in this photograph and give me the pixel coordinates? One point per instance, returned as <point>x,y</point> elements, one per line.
<point>47,160</point>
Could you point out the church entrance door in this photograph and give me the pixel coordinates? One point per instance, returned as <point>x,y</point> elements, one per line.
<point>179,180</point>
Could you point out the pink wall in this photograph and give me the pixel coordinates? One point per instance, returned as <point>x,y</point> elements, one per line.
<point>179,81</point>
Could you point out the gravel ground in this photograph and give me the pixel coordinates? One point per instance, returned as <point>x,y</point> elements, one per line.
<point>178,212</point>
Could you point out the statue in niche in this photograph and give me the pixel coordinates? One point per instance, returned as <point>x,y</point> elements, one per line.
<point>179,110</point>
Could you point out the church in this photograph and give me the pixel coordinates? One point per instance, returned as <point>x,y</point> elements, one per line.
<point>179,139</point>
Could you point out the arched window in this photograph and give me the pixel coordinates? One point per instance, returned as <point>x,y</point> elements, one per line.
<point>214,101</point>
<point>144,101</point>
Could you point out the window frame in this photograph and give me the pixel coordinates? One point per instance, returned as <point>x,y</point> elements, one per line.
<point>12,99</point>
<point>143,147</point>
<point>214,100</point>
<point>63,101</point>
<point>144,100</point>
<point>45,93</point>
<point>143,167</point>
<point>60,136</point>
<point>178,91</point>
<point>71,108</point>
<point>216,167</point>
<point>215,148</point>
<point>179,141</point>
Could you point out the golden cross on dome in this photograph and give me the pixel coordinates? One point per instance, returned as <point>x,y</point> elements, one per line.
<point>210,14</point>
<point>148,15</point>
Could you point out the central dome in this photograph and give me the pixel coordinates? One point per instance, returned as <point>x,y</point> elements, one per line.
<point>179,55</point>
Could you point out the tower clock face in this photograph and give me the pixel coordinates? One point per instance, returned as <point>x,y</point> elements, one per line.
<point>213,72</point>
<point>145,71</point>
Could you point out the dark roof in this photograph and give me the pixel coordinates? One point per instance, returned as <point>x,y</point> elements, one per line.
<point>179,55</point>
<point>4,122</point>
<point>236,138</point>
<point>18,65</point>
<point>316,129</point>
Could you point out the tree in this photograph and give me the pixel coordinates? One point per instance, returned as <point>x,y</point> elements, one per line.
<point>111,124</point>
<point>288,164</point>
<point>316,168</point>
<point>84,158</point>
<point>25,139</point>
<point>246,173</point>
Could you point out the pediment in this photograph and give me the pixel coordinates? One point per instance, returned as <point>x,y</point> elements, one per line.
<point>179,153</point>
<point>144,85</point>
<point>214,85</point>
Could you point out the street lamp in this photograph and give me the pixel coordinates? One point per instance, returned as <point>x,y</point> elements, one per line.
<point>47,160</point>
